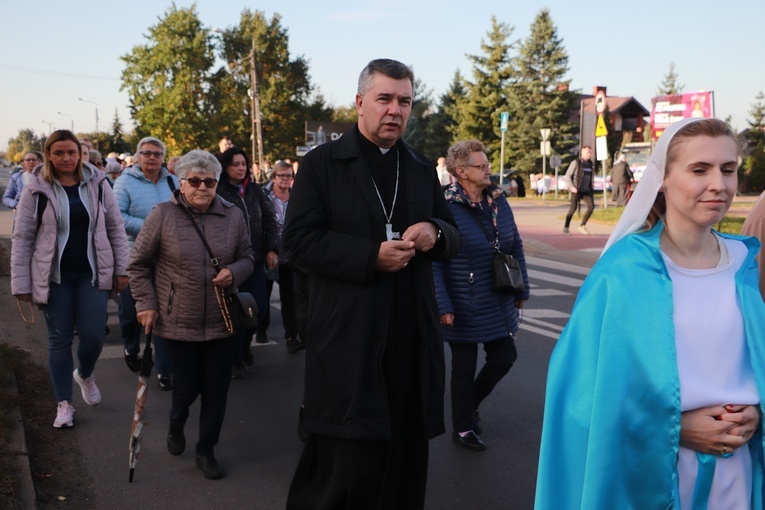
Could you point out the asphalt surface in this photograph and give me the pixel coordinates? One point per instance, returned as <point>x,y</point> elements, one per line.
<point>259,446</point>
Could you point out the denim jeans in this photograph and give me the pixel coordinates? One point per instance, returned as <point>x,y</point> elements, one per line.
<point>74,299</point>
<point>131,334</point>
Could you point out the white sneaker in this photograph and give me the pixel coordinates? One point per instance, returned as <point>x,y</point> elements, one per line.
<point>584,230</point>
<point>64,415</point>
<point>90,393</point>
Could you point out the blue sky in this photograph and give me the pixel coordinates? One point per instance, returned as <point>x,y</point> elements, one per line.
<point>626,46</point>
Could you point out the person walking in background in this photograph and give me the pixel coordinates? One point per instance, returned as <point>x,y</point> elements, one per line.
<point>472,312</point>
<point>579,178</point>
<point>444,177</point>
<point>175,286</point>
<point>621,178</point>
<point>661,408</point>
<point>18,180</point>
<point>139,188</point>
<point>69,251</point>
<point>366,218</point>
<point>754,225</point>
<point>237,187</point>
<point>278,192</point>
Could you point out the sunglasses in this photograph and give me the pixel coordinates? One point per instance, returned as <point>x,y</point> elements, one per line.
<point>196,181</point>
<point>156,154</point>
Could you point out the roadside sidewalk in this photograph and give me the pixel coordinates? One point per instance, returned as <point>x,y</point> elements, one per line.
<point>541,227</point>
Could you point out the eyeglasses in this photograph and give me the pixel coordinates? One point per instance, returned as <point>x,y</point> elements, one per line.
<point>156,154</point>
<point>484,167</point>
<point>30,160</point>
<point>285,176</point>
<point>196,181</point>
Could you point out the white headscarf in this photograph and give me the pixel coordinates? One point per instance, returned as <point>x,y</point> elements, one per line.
<point>634,215</point>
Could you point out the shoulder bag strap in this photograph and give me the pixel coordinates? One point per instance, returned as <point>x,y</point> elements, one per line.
<point>493,242</point>
<point>213,260</point>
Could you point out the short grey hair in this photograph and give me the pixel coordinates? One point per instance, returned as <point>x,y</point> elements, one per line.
<point>387,67</point>
<point>152,140</point>
<point>95,156</point>
<point>197,162</point>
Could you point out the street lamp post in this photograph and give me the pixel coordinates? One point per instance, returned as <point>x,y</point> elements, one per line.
<point>50,126</point>
<point>70,116</point>
<point>94,103</point>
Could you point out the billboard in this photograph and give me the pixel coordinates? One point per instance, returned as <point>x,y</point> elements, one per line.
<point>666,110</point>
<point>317,133</point>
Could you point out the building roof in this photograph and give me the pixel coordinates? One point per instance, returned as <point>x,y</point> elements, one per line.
<point>624,106</point>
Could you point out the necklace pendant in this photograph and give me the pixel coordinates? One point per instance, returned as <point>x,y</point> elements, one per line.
<point>390,234</point>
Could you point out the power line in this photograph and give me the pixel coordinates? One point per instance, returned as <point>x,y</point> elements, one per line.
<point>54,73</point>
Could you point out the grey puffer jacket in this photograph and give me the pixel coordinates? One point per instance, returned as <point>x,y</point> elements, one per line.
<point>170,271</point>
<point>36,252</point>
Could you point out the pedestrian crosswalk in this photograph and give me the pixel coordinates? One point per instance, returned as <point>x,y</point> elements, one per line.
<point>554,286</point>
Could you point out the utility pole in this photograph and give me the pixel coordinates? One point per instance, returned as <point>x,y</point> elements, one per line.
<point>257,136</point>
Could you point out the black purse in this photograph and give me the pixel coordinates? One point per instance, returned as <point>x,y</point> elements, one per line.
<point>508,277</point>
<point>239,310</point>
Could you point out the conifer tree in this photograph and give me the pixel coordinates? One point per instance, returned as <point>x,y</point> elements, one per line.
<point>670,84</point>
<point>478,111</point>
<point>540,98</point>
<point>755,135</point>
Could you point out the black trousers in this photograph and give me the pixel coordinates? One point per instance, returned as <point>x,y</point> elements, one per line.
<point>201,368</point>
<point>350,474</point>
<point>287,293</point>
<point>469,390</point>
<point>588,202</point>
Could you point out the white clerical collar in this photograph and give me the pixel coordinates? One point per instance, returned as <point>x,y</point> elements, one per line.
<point>384,150</point>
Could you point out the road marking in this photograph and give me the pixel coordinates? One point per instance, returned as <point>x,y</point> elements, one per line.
<point>560,266</point>
<point>527,319</point>
<point>539,331</point>
<point>548,292</point>
<point>544,313</point>
<point>554,278</point>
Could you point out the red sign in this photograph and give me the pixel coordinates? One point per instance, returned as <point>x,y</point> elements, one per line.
<point>666,110</point>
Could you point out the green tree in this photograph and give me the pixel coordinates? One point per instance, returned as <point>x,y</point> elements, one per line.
<point>22,143</point>
<point>422,109</point>
<point>540,97</point>
<point>754,165</point>
<point>478,111</point>
<point>670,84</point>
<point>345,113</point>
<point>167,81</point>
<point>116,142</point>
<point>284,87</point>
<point>442,121</point>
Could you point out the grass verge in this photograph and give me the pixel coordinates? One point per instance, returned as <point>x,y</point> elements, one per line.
<point>729,224</point>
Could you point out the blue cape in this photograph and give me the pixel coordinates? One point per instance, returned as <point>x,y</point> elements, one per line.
<point>612,411</point>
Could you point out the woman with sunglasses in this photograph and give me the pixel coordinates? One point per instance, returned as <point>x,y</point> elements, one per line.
<point>174,285</point>
<point>237,187</point>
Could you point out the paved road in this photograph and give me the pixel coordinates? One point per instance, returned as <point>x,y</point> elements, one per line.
<point>260,448</point>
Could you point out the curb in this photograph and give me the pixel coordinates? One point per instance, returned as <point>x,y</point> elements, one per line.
<point>18,441</point>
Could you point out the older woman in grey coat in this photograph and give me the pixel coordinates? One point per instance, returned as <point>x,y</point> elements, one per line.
<point>174,284</point>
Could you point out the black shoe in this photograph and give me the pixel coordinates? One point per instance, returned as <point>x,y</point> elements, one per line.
<point>165,383</point>
<point>133,362</point>
<point>238,372</point>
<point>176,441</point>
<point>209,467</point>
<point>248,360</point>
<point>294,345</point>
<point>261,338</point>
<point>471,441</point>
<point>476,423</point>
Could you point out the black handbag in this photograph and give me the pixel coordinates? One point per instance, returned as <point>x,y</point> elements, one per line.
<point>508,277</point>
<point>507,274</point>
<point>239,310</point>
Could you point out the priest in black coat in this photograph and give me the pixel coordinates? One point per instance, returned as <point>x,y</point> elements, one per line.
<point>366,218</point>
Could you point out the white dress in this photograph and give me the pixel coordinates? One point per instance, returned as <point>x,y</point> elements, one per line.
<point>714,366</point>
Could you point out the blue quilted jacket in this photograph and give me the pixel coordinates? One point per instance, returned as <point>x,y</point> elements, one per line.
<point>465,284</point>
